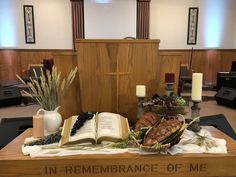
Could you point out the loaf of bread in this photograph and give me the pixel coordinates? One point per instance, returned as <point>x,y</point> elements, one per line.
<point>147,120</point>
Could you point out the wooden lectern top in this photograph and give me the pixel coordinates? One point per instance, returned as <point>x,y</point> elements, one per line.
<point>118,40</point>
<point>14,163</point>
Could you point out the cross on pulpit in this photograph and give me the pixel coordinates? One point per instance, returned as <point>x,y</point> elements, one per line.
<point>117,74</point>
<point>111,68</point>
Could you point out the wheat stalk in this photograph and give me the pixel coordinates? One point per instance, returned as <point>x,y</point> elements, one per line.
<point>48,90</point>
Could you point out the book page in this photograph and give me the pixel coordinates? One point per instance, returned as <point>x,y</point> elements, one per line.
<point>109,125</point>
<point>124,126</point>
<point>66,129</point>
<point>102,127</point>
<point>88,130</point>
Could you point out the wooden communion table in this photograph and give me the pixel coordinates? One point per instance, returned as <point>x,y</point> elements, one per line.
<point>14,164</point>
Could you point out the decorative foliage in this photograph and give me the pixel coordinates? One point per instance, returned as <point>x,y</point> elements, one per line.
<point>134,139</point>
<point>167,105</point>
<point>48,90</point>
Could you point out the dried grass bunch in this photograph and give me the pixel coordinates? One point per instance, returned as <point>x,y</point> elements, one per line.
<point>47,89</point>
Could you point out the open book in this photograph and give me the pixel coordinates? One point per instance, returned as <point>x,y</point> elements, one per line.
<point>104,126</point>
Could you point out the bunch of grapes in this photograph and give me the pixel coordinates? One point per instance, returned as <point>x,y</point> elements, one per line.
<point>170,105</point>
<point>49,139</point>
<point>81,119</point>
<point>180,101</point>
<point>169,101</point>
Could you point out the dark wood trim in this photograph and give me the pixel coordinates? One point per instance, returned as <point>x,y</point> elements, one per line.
<point>100,40</point>
<point>143,19</point>
<point>184,50</point>
<point>36,50</point>
<point>77,13</point>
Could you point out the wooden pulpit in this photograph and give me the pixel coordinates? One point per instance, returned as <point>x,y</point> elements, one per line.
<point>109,71</point>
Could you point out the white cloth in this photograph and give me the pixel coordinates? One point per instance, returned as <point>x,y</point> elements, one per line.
<point>189,143</point>
<point>54,150</point>
<point>186,145</point>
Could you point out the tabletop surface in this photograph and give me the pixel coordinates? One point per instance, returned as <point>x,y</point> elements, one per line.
<point>19,111</point>
<point>13,150</point>
<point>151,165</point>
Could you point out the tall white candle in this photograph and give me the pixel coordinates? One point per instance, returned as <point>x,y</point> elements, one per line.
<point>140,90</point>
<point>197,87</point>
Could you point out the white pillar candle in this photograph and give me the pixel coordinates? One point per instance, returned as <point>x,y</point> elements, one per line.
<point>140,90</point>
<point>196,87</point>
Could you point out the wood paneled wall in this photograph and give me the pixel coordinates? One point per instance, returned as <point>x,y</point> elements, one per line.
<point>170,63</point>
<point>209,62</point>
<point>14,62</point>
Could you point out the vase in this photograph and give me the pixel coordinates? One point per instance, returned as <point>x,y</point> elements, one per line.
<point>52,120</point>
